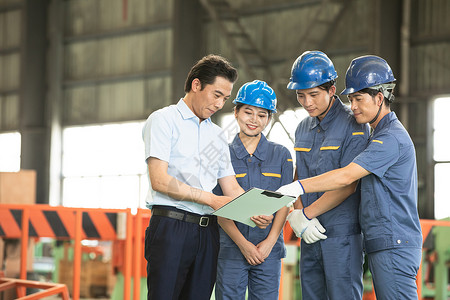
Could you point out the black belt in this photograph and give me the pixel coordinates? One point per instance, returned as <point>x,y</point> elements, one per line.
<point>202,221</point>
<point>342,229</point>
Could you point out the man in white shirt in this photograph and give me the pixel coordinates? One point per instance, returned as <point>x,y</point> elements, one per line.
<point>187,155</point>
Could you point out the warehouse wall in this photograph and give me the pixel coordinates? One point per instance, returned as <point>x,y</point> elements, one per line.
<point>10,42</point>
<point>119,60</point>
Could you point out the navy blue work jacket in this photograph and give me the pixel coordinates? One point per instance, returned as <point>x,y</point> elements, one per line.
<point>268,168</point>
<point>322,146</point>
<point>389,217</point>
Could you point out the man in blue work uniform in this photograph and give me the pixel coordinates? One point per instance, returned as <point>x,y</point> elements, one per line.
<point>387,169</point>
<point>187,155</point>
<point>251,257</point>
<point>328,139</point>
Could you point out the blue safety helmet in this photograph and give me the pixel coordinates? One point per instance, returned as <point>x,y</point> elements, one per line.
<point>257,93</point>
<point>372,72</point>
<point>311,69</point>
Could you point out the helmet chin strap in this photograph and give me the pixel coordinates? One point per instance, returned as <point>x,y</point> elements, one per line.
<point>378,113</point>
<point>329,104</point>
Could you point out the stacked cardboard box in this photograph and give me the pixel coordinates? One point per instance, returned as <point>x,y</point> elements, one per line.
<point>16,188</point>
<point>94,277</point>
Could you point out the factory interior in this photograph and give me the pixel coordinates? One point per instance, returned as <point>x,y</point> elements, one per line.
<point>79,78</point>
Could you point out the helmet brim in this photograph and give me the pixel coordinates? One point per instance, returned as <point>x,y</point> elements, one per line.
<point>348,91</point>
<point>301,86</point>
<point>292,85</point>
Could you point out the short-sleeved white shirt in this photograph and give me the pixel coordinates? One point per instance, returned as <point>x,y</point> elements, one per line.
<point>197,152</point>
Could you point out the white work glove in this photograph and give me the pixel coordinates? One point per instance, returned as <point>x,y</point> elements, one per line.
<point>314,232</point>
<point>298,222</point>
<point>293,189</point>
<point>310,230</point>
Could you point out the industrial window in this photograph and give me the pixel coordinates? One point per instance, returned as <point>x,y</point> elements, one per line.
<point>441,156</point>
<point>10,152</point>
<point>283,132</point>
<point>103,166</point>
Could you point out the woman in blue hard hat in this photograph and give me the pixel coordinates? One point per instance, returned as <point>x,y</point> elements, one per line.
<point>388,175</point>
<point>251,257</point>
<point>331,262</point>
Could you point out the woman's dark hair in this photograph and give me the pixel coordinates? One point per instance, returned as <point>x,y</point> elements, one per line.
<point>208,68</point>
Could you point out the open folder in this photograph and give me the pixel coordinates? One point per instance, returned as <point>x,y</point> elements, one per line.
<point>253,202</point>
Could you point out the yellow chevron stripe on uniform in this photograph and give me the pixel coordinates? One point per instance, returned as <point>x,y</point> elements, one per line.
<point>330,148</point>
<point>272,175</point>
<point>302,149</point>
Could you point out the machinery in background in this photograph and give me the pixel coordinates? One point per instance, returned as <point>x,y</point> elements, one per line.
<point>436,264</point>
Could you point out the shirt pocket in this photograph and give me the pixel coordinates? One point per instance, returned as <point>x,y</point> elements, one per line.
<point>271,177</point>
<point>303,155</point>
<point>372,207</point>
<point>330,155</point>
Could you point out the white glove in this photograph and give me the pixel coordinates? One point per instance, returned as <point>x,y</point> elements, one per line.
<point>314,232</point>
<point>298,222</point>
<point>310,230</point>
<point>293,189</point>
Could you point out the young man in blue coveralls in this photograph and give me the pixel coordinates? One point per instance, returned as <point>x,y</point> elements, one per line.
<point>251,257</point>
<point>388,175</point>
<point>187,155</point>
<point>328,139</point>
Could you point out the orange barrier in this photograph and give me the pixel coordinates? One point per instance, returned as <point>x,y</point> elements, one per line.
<point>20,285</point>
<point>57,222</point>
<point>39,220</point>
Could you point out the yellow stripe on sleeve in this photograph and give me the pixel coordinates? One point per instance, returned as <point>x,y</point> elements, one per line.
<point>358,133</point>
<point>377,141</point>
<point>289,159</point>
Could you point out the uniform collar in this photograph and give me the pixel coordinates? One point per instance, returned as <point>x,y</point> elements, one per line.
<point>261,149</point>
<point>186,112</point>
<point>325,123</point>
<point>241,152</point>
<point>384,121</point>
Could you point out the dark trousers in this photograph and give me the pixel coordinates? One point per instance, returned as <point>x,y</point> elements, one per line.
<point>181,258</point>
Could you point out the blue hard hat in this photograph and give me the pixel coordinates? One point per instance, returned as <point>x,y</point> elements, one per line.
<point>257,93</point>
<point>311,69</point>
<point>367,71</point>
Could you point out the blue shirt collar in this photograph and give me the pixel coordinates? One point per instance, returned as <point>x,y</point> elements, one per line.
<point>241,152</point>
<point>329,117</point>
<point>186,112</point>
<point>384,121</point>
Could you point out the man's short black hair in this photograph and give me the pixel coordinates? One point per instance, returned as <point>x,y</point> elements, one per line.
<point>327,85</point>
<point>208,68</point>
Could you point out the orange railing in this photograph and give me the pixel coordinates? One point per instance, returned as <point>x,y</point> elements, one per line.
<point>48,289</point>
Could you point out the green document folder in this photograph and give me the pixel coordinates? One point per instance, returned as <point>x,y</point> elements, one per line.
<point>253,202</point>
